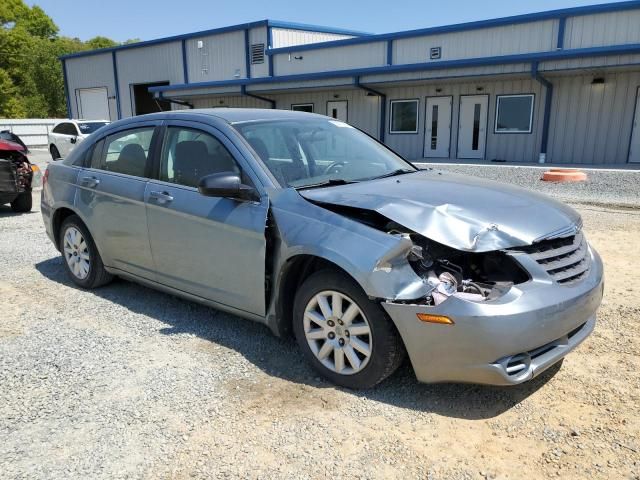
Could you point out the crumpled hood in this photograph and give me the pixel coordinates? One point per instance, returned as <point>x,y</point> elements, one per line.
<point>463,212</point>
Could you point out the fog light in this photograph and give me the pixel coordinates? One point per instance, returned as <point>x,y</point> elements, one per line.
<point>427,317</point>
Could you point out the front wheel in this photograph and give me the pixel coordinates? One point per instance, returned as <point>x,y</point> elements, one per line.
<point>346,337</point>
<point>81,257</point>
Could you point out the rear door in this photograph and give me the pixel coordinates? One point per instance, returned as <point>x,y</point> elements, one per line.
<point>210,247</point>
<point>111,198</point>
<point>65,136</point>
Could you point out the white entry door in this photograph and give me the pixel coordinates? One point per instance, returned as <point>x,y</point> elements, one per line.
<point>93,103</point>
<point>338,110</point>
<point>634,149</point>
<point>437,127</point>
<point>472,129</point>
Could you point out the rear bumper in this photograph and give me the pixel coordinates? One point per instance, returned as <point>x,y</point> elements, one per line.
<point>502,342</point>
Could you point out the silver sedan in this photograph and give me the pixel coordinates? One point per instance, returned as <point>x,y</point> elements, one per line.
<point>310,226</point>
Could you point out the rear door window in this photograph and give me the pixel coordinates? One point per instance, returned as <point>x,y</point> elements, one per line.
<point>124,152</point>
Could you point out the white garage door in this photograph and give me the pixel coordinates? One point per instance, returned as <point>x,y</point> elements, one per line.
<point>93,103</point>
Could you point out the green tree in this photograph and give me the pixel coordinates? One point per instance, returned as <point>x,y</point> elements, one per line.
<point>100,42</point>
<point>31,80</point>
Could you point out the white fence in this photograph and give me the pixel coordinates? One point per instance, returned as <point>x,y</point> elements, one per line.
<point>32,131</point>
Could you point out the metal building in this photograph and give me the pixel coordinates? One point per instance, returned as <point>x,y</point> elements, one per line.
<point>559,86</point>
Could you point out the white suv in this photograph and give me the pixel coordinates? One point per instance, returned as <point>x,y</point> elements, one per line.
<point>66,135</point>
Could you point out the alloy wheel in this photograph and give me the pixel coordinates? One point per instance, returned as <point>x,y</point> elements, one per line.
<point>338,332</point>
<point>76,253</point>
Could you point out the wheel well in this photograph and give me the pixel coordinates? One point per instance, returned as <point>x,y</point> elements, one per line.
<point>295,272</point>
<point>59,216</point>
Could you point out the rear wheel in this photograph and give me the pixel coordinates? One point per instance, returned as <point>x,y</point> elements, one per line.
<point>81,257</point>
<point>22,203</point>
<point>346,337</point>
<point>55,154</point>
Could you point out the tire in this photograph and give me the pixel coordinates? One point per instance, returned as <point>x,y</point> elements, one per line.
<point>22,203</point>
<point>86,272</point>
<point>386,351</point>
<point>55,154</point>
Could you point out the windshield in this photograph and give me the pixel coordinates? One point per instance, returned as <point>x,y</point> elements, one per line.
<point>89,127</point>
<point>306,152</point>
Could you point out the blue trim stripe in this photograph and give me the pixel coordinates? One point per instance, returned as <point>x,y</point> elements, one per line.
<point>461,27</point>
<point>115,80</point>
<point>561,28</point>
<point>389,52</point>
<point>269,45</point>
<point>414,67</point>
<point>66,88</point>
<point>315,28</point>
<point>247,53</point>
<point>185,66</point>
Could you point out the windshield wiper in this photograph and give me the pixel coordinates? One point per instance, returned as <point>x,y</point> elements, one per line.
<point>327,183</point>
<point>393,173</point>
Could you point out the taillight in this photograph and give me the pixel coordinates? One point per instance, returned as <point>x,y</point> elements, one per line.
<point>45,177</point>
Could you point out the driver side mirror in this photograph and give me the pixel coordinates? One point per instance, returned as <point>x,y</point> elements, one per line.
<point>73,139</point>
<point>226,184</point>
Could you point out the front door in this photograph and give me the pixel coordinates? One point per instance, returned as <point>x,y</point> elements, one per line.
<point>437,130</point>
<point>634,150</point>
<point>472,129</point>
<point>338,110</point>
<point>211,247</point>
<point>111,199</point>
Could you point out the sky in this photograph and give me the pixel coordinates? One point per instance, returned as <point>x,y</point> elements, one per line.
<point>149,19</point>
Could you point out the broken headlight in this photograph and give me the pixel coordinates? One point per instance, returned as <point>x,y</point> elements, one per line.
<point>472,276</point>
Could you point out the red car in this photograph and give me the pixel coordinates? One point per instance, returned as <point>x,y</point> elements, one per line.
<point>16,175</point>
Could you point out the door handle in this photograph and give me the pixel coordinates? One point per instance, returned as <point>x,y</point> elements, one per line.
<point>90,182</point>
<point>161,197</point>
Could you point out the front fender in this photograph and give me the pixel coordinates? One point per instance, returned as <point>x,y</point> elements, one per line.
<point>375,259</point>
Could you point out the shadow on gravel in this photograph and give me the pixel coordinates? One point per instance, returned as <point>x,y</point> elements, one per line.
<point>281,357</point>
<point>5,211</point>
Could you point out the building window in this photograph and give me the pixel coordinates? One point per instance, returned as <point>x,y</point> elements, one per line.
<point>514,113</point>
<point>404,116</point>
<point>303,107</point>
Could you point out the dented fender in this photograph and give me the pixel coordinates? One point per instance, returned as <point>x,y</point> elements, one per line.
<point>376,260</point>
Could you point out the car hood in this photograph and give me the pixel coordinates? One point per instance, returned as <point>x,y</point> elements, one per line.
<point>463,212</point>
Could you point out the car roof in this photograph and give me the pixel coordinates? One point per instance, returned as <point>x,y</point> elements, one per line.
<point>236,115</point>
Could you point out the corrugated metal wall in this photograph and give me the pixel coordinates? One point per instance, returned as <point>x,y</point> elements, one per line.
<point>592,123</point>
<point>326,59</point>
<point>222,57</point>
<point>231,101</point>
<point>285,37</point>
<point>486,42</point>
<point>614,28</point>
<point>155,63</point>
<point>91,72</point>
<point>521,147</point>
<point>362,111</point>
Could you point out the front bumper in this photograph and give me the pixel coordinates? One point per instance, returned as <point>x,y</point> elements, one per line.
<point>506,341</point>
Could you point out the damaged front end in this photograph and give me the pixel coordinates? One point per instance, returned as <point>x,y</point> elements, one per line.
<point>442,270</point>
<point>16,172</point>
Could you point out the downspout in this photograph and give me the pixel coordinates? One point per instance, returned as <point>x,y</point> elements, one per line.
<point>548,97</point>
<point>383,105</point>
<point>243,91</point>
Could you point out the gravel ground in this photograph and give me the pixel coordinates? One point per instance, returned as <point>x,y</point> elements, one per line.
<point>126,382</point>
<point>603,187</point>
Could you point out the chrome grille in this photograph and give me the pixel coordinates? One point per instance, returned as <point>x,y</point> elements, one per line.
<point>566,259</point>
